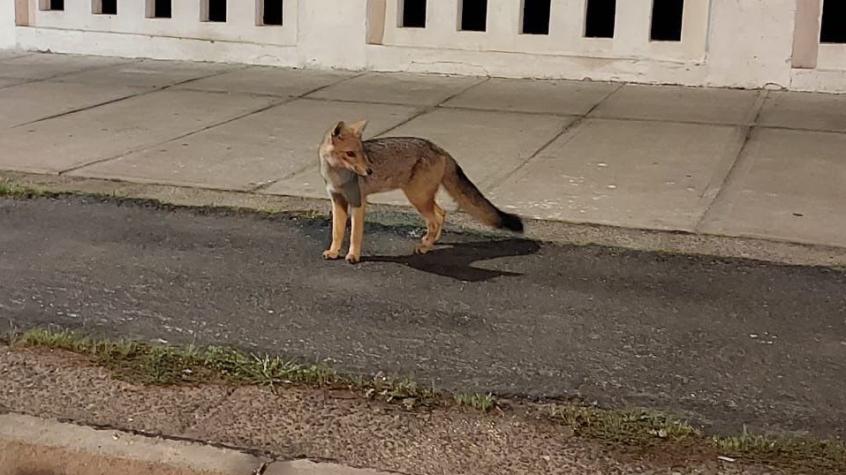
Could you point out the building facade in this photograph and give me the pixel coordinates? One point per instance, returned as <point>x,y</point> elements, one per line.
<point>791,44</point>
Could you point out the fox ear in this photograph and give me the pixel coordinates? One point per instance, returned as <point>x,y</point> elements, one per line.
<point>358,127</point>
<point>336,132</point>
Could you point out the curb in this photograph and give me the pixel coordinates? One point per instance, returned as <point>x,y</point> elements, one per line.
<point>30,445</point>
<point>557,232</point>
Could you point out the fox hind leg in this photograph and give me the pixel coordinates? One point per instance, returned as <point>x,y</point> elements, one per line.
<point>440,213</point>
<point>424,202</point>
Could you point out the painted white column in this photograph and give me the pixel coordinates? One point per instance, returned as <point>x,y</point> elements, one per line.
<point>806,36</point>
<point>332,33</point>
<point>567,25</point>
<point>631,31</point>
<point>7,23</point>
<point>503,24</point>
<point>751,42</point>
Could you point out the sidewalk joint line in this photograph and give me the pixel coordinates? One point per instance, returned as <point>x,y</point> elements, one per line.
<point>799,129</point>
<point>269,183</point>
<point>564,130</point>
<point>418,113</point>
<point>263,186</point>
<point>720,184</point>
<point>333,83</point>
<point>604,99</point>
<point>23,81</point>
<point>353,101</point>
<point>84,108</point>
<point>57,77</point>
<point>282,101</point>
<point>564,115</point>
<point>572,126</point>
<point>173,139</point>
<point>243,93</point>
<point>143,92</point>
<point>240,67</point>
<point>476,84</point>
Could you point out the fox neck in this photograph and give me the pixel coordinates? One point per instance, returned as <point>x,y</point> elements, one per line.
<point>334,174</point>
<point>325,152</point>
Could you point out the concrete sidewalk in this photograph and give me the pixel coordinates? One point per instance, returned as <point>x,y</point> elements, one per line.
<point>31,445</point>
<point>762,164</point>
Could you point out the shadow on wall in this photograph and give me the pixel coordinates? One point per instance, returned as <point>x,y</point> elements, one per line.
<point>456,261</point>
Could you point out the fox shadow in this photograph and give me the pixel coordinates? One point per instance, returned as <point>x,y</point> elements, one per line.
<point>456,261</point>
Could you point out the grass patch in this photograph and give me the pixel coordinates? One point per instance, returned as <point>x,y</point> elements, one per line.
<point>480,402</point>
<point>648,431</point>
<point>12,190</point>
<point>816,456</point>
<point>145,363</point>
<point>638,427</point>
<point>164,365</point>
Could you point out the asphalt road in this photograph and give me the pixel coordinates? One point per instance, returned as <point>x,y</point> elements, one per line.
<point>728,342</point>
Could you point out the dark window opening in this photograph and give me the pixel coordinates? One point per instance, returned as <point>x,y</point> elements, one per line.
<point>108,7</point>
<point>600,18</point>
<point>413,14</point>
<point>56,5</point>
<point>272,13</point>
<point>667,20</point>
<point>217,10</point>
<point>162,9</point>
<point>474,15</point>
<point>833,22</point>
<point>536,17</point>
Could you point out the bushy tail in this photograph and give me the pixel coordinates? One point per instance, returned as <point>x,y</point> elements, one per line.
<point>471,200</point>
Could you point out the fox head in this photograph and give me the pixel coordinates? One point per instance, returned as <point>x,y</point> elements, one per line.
<point>345,149</point>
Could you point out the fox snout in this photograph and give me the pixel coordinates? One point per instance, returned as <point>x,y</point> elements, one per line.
<point>360,170</point>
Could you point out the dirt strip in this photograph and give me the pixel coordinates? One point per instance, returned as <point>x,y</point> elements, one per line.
<point>292,423</point>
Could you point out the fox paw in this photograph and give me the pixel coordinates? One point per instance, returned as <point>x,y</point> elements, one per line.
<point>422,248</point>
<point>352,258</point>
<point>330,255</point>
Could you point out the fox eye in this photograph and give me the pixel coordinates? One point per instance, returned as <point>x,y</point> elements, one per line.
<point>351,154</point>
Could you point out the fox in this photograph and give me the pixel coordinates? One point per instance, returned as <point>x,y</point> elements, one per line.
<point>352,169</point>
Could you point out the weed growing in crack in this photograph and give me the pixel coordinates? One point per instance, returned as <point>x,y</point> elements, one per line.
<point>480,402</point>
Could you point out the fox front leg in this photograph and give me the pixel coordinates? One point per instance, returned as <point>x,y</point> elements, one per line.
<point>339,226</point>
<point>356,234</point>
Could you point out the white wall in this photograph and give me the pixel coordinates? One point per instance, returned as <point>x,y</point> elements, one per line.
<point>730,43</point>
<point>7,24</point>
<point>631,39</point>
<point>240,26</point>
<point>733,43</point>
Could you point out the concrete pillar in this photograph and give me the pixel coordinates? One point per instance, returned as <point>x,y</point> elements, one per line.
<point>8,18</point>
<point>806,45</point>
<point>751,42</point>
<point>376,21</point>
<point>22,12</point>
<point>333,33</point>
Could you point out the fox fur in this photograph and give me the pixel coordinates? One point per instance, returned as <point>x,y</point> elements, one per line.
<point>353,168</point>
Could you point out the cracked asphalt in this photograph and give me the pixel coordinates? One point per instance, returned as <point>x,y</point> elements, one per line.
<point>725,342</point>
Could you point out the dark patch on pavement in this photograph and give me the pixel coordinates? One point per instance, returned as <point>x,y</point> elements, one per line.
<point>727,341</point>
